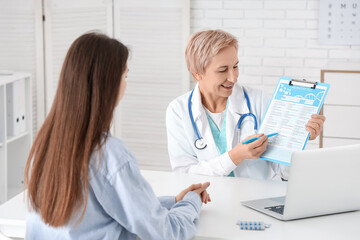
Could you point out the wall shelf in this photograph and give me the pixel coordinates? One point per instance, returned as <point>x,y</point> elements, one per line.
<point>14,138</point>
<point>15,132</point>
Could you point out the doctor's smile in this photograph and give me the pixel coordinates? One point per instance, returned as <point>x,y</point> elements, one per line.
<point>227,87</point>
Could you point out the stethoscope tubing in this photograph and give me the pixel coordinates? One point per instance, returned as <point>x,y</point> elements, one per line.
<point>191,116</point>
<point>199,142</point>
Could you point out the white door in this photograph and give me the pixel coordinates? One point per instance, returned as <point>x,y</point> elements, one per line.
<point>21,47</point>
<point>156,32</point>
<point>20,51</point>
<point>66,20</point>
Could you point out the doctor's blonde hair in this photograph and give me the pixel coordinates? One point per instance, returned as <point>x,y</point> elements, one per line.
<point>57,169</point>
<point>203,46</point>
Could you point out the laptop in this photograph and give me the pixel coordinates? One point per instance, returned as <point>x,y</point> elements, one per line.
<point>321,181</point>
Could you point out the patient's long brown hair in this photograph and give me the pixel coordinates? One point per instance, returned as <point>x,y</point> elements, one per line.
<point>56,172</point>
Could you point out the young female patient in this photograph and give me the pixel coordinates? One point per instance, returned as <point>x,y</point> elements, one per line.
<point>82,182</point>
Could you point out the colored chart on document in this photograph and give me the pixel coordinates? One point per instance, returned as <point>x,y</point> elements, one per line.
<point>290,109</point>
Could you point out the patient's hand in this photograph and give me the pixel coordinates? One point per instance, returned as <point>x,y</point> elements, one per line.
<point>198,188</point>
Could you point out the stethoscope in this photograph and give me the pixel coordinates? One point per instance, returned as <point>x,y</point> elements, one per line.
<point>199,142</point>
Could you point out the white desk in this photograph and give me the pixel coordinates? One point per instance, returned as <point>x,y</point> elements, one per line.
<point>218,218</point>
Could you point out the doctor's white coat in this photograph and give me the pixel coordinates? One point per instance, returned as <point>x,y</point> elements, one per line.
<point>185,157</point>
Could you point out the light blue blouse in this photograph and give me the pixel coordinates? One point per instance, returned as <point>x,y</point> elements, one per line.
<point>122,205</point>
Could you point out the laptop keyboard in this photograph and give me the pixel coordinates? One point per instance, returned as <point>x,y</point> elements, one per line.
<point>278,209</point>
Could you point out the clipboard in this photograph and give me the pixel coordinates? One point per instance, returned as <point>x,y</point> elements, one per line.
<point>291,106</point>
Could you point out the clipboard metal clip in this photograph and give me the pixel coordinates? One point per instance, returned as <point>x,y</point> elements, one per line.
<point>302,83</point>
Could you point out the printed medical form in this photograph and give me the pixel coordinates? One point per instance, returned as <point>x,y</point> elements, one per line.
<point>291,107</point>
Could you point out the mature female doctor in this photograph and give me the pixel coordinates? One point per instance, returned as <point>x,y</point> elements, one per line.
<point>205,127</point>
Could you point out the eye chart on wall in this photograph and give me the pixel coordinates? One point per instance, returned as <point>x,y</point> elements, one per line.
<point>339,22</point>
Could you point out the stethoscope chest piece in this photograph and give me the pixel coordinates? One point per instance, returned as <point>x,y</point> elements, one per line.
<point>200,144</point>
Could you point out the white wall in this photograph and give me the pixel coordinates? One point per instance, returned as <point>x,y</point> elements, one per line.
<point>276,38</point>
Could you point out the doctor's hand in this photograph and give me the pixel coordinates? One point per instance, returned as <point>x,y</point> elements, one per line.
<point>314,125</point>
<point>251,150</point>
<point>198,188</point>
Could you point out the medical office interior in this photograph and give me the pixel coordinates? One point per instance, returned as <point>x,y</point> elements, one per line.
<point>316,40</point>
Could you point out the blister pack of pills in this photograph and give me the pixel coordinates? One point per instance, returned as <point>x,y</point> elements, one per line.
<point>252,225</point>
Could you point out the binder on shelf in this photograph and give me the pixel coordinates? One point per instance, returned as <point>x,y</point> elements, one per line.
<point>15,107</point>
<point>290,108</point>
